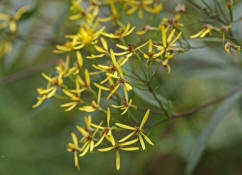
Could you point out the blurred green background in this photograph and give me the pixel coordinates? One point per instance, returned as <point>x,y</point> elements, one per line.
<point>33,141</point>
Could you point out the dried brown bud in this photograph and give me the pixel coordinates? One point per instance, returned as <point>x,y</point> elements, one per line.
<point>180,8</point>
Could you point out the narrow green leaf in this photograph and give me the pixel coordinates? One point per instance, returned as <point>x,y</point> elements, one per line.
<point>148,97</point>
<point>216,118</point>
<point>29,13</point>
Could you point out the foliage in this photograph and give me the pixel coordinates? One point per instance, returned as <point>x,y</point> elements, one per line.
<point>114,69</point>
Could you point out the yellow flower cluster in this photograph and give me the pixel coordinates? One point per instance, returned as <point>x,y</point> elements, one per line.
<point>93,77</point>
<point>229,46</point>
<point>9,23</point>
<point>94,135</point>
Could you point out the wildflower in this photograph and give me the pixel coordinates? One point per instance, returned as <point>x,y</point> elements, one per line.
<point>86,35</point>
<point>120,146</point>
<point>120,33</point>
<point>76,5</point>
<point>114,17</point>
<point>128,50</point>
<point>112,68</point>
<point>87,82</point>
<point>168,47</point>
<point>106,131</point>
<point>139,5</point>
<point>67,47</point>
<point>172,22</point>
<point>53,84</point>
<point>88,123</point>
<point>74,95</point>
<point>94,105</point>
<point>137,130</point>
<point>11,20</point>
<point>63,66</point>
<point>157,7</point>
<point>230,47</point>
<point>120,79</point>
<point>125,106</point>
<point>103,50</point>
<point>87,140</point>
<point>77,65</point>
<point>73,147</point>
<point>80,13</point>
<point>109,88</point>
<point>151,54</point>
<point>207,28</point>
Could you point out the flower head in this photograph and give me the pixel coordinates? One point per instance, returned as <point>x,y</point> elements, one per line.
<point>137,130</point>
<point>120,146</point>
<point>11,20</point>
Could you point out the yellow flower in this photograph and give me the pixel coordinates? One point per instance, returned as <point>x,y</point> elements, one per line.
<point>79,13</point>
<point>231,47</point>
<point>114,17</point>
<point>74,95</point>
<point>156,8</point>
<point>11,21</point>
<point>172,22</point>
<point>110,85</point>
<point>125,106</point>
<point>103,50</point>
<point>94,106</point>
<point>137,130</point>
<point>76,5</point>
<point>73,147</point>
<point>106,131</point>
<point>151,54</point>
<point>207,28</point>
<point>87,140</point>
<point>63,66</point>
<point>67,47</point>
<point>111,68</point>
<point>86,35</point>
<point>120,33</point>
<point>87,83</point>
<point>77,65</point>
<point>139,5</point>
<point>168,48</point>
<point>53,84</point>
<point>120,146</point>
<point>128,50</point>
<point>114,69</point>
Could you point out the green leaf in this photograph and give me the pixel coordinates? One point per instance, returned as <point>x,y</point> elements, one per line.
<point>216,118</point>
<point>29,13</point>
<point>148,97</point>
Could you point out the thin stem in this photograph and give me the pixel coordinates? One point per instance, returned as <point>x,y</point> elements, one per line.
<point>196,109</point>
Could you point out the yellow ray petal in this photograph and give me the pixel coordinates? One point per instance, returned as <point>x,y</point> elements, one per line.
<point>147,139</point>
<point>129,142</point>
<point>74,138</point>
<point>117,160</point>
<point>130,149</point>
<point>84,151</point>
<point>144,118</point>
<point>127,137</point>
<point>142,142</point>
<point>105,149</point>
<point>125,126</point>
